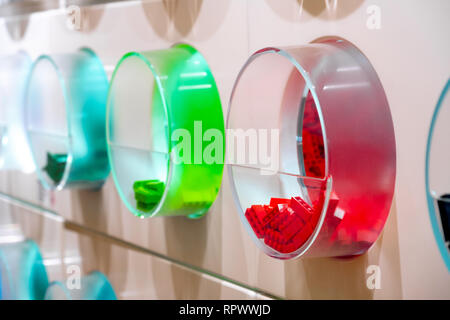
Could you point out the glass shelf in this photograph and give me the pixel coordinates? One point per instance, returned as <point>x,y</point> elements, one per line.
<point>31,219</point>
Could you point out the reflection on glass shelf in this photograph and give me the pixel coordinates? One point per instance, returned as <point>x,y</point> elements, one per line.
<point>64,243</point>
<point>24,276</point>
<point>34,249</point>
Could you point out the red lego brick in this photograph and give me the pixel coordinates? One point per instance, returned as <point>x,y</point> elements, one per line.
<point>249,214</point>
<point>254,223</point>
<point>313,153</point>
<point>293,247</point>
<point>268,241</point>
<point>271,243</point>
<point>268,218</point>
<point>301,208</point>
<point>286,248</point>
<point>280,218</point>
<point>284,208</point>
<point>284,224</point>
<point>311,120</point>
<point>302,236</point>
<point>268,209</point>
<point>276,240</point>
<point>274,202</point>
<point>259,211</point>
<point>263,215</point>
<point>274,236</point>
<point>291,228</point>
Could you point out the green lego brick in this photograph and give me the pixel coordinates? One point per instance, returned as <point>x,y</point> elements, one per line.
<point>148,193</point>
<point>145,207</point>
<point>56,164</point>
<point>147,196</point>
<point>155,185</point>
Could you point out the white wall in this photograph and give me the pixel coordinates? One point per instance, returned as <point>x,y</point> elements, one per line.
<point>410,52</point>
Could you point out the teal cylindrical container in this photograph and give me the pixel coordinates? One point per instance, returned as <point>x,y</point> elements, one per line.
<point>65,120</point>
<point>3,277</point>
<point>14,151</point>
<point>94,286</point>
<point>24,271</point>
<point>437,173</point>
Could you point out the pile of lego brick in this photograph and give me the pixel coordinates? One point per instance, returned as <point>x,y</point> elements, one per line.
<point>313,154</point>
<point>311,120</point>
<point>312,141</point>
<point>148,193</point>
<point>284,224</point>
<point>56,163</point>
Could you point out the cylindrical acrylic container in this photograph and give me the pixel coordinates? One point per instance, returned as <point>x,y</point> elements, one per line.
<point>437,173</point>
<point>94,286</point>
<point>24,271</point>
<point>14,150</point>
<point>316,177</point>
<point>165,132</point>
<point>4,278</point>
<point>65,120</point>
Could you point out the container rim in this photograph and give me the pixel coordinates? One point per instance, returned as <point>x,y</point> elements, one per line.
<point>62,83</point>
<point>435,225</point>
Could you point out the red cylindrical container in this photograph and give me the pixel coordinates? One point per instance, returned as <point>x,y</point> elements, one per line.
<point>320,181</point>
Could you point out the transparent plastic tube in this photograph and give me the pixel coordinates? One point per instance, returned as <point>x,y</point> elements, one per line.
<point>437,173</point>
<point>328,188</point>
<point>157,101</point>
<point>65,120</point>
<point>94,286</point>
<point>14,150</point>
<point>24,271</point>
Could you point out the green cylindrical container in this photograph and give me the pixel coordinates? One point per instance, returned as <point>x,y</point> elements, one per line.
<point>165,132</point>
